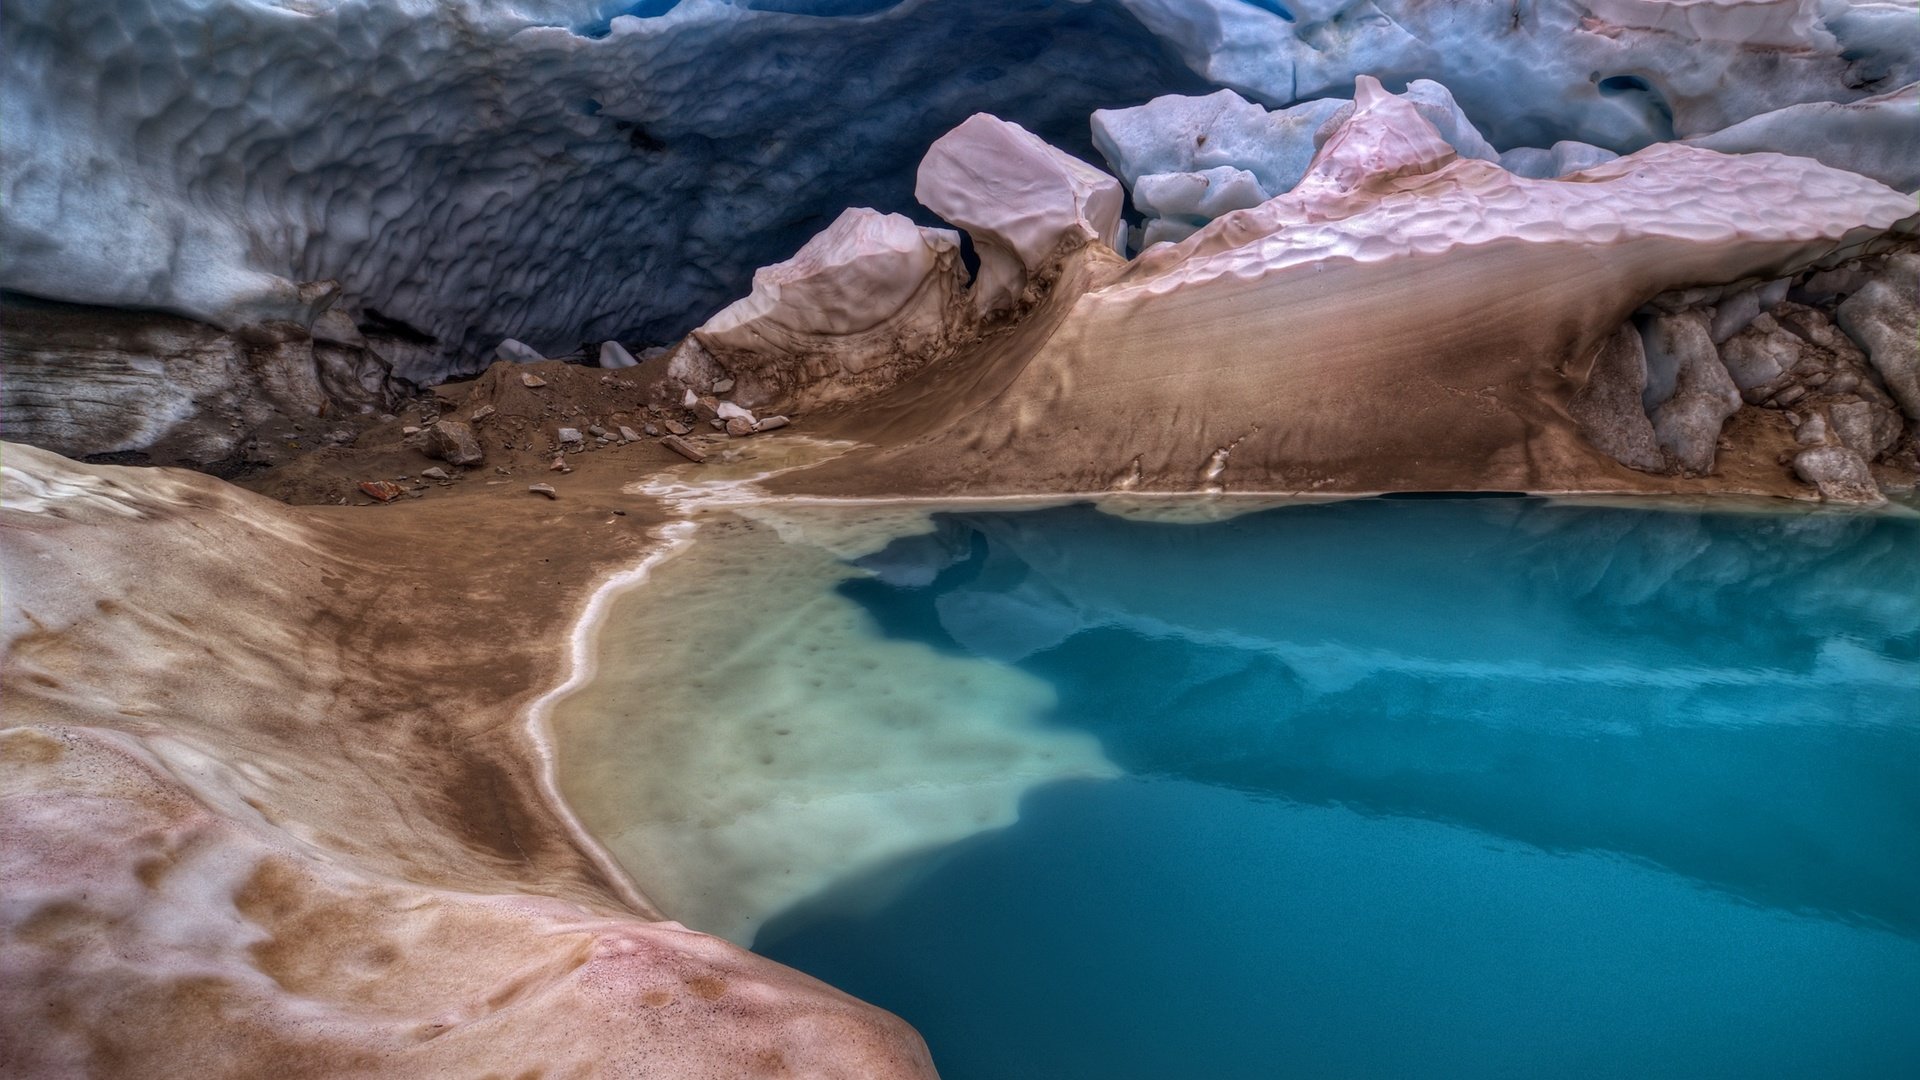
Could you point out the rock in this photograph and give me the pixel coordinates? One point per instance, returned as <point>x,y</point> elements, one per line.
<point>531,381</point>
<point>629,434</point>
<point>685,449</point>
<point>596,431</point>
<point>1608,408</point>
<point>1688,424</point>
<point>1757,357</point>
<point>482,413</point>
<point>1839,473</point>
<point>436,473</point>
<point>688,398</point>
<point>411,429</point>
<point>615,355</point>
<point>706,407</point>
<point>517,352</point>
<point>1813,432</point>
<point>1024,203</point>
<point>717,424</point>
<point>652,430</point>
<point>567,436</point>
<point>678,428</point>
<point>543,489</point>
<point>727,410</point>
<point>723,386</point>
<point>382,490</point>
<point>738,427</point>
<point>1864,428</point>
<point>1883,318</point>
<point>559,465</point>
<point>452,442</point>
<point>771,423</point>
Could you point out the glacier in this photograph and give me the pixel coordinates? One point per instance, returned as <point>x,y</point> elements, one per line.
<point>563,172</point>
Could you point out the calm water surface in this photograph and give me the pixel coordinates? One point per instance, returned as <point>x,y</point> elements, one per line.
<point>1415,788</point>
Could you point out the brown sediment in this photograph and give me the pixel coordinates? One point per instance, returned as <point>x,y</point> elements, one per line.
<point>272,804</point>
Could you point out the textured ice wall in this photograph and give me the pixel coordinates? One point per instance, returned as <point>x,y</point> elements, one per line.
<point>482,171</point>
<point>556,172</point>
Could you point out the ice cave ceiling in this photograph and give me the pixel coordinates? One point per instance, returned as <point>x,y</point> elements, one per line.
<point>561,171</point>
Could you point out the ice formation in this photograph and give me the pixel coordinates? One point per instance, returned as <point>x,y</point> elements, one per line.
<point>872,294</point>
<point>561,171</point>
<point>1485,298</point>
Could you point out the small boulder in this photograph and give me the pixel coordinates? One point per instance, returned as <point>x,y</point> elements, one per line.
<point>436,474</point>
<point>452,442</point>
<point>381,490</point>
<point>1839,473</point>
<point>727,410</point>
<point>596,431</point>
<point>615,355</point>
<point>706,407</point>
<point>518,352</point>
<point>1687,425</point>
<point>1813,432</point>
<point>771,423</point>
<point>685,449</point>
<point>677,428</point>
<point>1883,318</point>
<point>543,489</point>
<point>723,386</point>
<point>738,427</point>
<point>569,437</point>
<point>1864,428</point>
<point>629,434</point>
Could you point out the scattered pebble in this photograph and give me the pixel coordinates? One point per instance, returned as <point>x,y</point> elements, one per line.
<point>677,428</point>
<point>629,434</point>
<point>596,431</point>
<point>543,489</point>
<point>560,465</point>
<point>529,379</point>
<point>436,473</point>
<point>482,413</point>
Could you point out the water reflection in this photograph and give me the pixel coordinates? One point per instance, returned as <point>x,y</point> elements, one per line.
<point>1734,697</point>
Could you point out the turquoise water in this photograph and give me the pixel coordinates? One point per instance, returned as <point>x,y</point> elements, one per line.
<point>1418,788</point>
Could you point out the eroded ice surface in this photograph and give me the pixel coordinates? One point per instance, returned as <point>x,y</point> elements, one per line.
<point>1416,788</point>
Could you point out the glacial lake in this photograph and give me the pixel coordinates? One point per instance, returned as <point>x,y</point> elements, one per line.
<point>1428,787</point>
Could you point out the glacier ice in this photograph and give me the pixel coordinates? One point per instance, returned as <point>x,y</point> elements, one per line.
<point>560,171</point>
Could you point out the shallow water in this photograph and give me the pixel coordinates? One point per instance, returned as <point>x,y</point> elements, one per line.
<point>1382,788</point>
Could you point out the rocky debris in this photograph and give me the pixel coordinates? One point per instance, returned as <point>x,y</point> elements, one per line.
<point>652,430</point>
<point>615,355</point>
<point>1864,427</point>
<point>567,436</point>
<point>530,380</point>
<point>484,412</point>
<point>596,431</point>
<point>411,429</point>
<point>771,423</point>
<point>1609,408</point>
<point>452,442</point>
<point>436,474</point>
<point>517,352</point>
<point>1883,317</point>
<point>706,407</point>
<point>1840,474</point>
<point>723,386</point>
<point>739,427</point>
<point>560,465</point>
<point>382,490</point>
<point>1812,431</point>
<point>682,447</point>
<point>727,410</point>
<point>677,428</point>
<point>1687,424</point>
<point>630,435</point>
<point>543,489</point>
